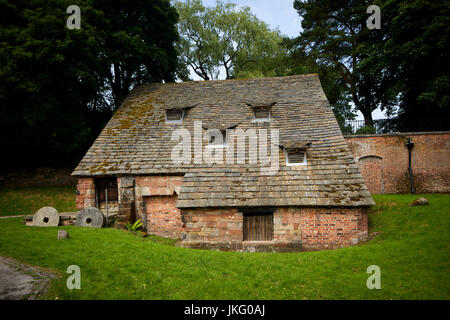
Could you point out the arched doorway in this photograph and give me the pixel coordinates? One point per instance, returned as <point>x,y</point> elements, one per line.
<point>371,168</point>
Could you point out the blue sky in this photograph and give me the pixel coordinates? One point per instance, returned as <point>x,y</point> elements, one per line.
<point>282,15</point>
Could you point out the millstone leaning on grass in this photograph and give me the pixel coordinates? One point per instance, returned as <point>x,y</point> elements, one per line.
<point>90,217</point>
<point>46,217</point>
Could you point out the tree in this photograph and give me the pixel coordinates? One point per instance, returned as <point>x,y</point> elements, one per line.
<point>401,67</point>
<point>58,86</point>
<point>290,60</point>
<point>334,34</point>
<point>139,43</point>
<point>283,61</point>
<point>222,37</point>
<point>416,46</point>
<point>245,47</point>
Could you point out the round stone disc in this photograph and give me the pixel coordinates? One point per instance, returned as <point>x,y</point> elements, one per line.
<point>90,217</point>
<point>46,217</point>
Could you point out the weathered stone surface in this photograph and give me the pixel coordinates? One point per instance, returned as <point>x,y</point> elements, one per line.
<point>90,217</point>
<point>419,202</point>
<point>63,234</point>
<point>46,217</point>
<point>126,212</point>
<point>127,182</point>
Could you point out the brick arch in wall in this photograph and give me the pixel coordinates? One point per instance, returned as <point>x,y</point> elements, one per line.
<point>371,168</point>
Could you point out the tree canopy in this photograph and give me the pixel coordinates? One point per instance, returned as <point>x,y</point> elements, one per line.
<point>234,39</point>
<point>402,67</point>
<point>222,36</point>
<point>59,86</point>
<point>334,34</point>
<point>415,55</point>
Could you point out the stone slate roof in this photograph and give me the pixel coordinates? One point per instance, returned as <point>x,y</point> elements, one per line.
<point>137,141</point>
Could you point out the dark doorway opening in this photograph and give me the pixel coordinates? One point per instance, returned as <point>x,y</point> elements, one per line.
<point>258,226</point>
<point>109,184</point>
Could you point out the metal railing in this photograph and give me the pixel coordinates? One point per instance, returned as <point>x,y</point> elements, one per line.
<point>392,125</point>
<point>379,126</point>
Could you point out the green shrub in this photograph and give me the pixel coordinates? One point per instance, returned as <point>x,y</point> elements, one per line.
<point>366,130</point>
<point>135,226</point>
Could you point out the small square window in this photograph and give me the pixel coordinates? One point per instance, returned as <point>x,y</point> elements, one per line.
<point>214,140</point>
<point>174,116</point>
<point>261,114</point>
<point>295,157</point>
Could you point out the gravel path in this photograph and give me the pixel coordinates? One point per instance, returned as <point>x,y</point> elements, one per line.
<point>19,281</point>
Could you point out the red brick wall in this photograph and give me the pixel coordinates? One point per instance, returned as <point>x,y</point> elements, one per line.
<point>85,197</point>
<point>152,199</point>
<point>371,168</point>
<point>329,228</point>
<point>295,228</point>
<point>389,174</point>
<point>163,218</point>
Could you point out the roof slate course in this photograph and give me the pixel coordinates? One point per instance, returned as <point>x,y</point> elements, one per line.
<point>137,141</point>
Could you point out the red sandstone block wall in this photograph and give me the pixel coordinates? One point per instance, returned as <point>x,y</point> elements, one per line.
<point>85,193</point>
<point>287,224</point>
<point>212,225</point>
<point>383,161</point>
<point>158,185</point>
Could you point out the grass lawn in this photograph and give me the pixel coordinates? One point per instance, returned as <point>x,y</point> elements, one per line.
<point>28,200</point>
<point>412,251</point>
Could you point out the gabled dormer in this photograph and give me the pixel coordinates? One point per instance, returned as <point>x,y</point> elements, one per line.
<point>295,152</point>
<point>262,111</point>
<point>175,115</point>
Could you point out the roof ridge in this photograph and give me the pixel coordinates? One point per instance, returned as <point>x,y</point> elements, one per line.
<point>226,80</point>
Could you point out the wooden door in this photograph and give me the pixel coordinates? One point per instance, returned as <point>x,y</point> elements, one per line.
<point>258,226</point>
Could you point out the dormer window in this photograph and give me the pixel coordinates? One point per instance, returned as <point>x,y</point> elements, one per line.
<point>174,116</point>
<point>295,157</point>
<point>261,113</point>
<point>217,139</point>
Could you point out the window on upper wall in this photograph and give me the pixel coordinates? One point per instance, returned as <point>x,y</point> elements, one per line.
<point>295,157</point>
<point>261,113</point>
<point>174,116</point>
<point>214,140</point>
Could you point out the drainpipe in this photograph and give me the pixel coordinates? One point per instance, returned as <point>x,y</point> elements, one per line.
<point>410,146</point>
<point>106,198</point>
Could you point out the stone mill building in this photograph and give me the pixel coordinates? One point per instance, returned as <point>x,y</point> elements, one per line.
<point>172,156</point>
